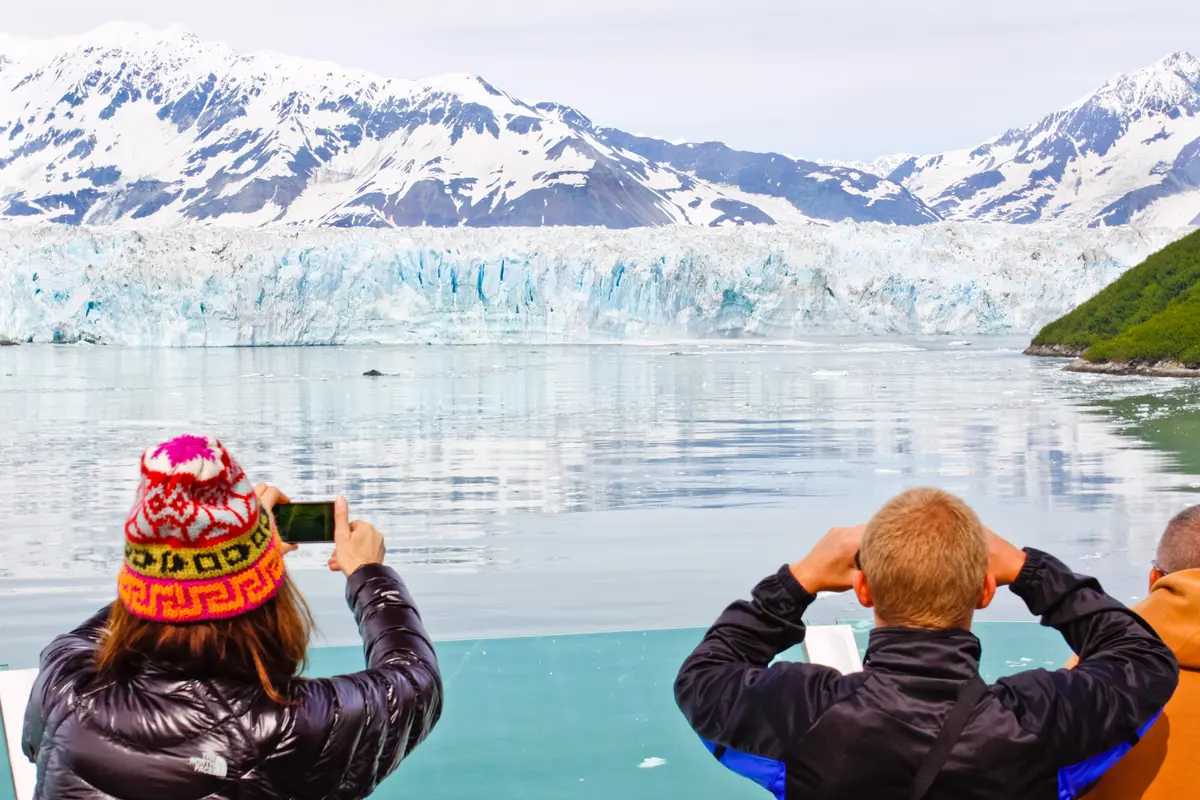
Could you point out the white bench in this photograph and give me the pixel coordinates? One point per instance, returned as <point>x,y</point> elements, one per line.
<point>15,686</point>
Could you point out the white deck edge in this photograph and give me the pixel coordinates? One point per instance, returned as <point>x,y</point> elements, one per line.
<point>15,686</point>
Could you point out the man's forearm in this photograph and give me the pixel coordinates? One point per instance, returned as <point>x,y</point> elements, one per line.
<point>1044,583</point>
<point>1125,674</point>
<point>747,636</point>
<point>755,631</point>
<point>1065,600</point>
<point>725,684</point>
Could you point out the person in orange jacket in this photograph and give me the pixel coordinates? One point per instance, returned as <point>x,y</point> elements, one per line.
<point>1165,764</point>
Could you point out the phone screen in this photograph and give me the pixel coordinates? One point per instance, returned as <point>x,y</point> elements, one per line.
<point>304,522</point>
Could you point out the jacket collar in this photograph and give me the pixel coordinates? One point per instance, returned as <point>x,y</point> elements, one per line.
<point>951,654</point>
<point>1173,610</point>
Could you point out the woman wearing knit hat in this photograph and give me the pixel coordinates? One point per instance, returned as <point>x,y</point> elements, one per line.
<point>188,685</point>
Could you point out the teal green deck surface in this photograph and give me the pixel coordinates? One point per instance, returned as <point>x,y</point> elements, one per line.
<point>574,716</point>
<point>555,717</point>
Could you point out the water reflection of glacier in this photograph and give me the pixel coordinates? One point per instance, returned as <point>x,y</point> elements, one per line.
<point>459,450</point>
<point>575,488</point>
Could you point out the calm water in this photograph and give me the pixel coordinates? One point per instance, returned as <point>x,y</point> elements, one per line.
<point>573,488</point>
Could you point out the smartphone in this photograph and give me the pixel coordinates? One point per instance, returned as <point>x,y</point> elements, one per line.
<point>304,522</point>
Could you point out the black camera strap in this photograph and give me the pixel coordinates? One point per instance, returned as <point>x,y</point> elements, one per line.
<point>968,697</point>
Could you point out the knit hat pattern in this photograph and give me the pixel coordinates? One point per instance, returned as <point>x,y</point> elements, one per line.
<point>196,545</point>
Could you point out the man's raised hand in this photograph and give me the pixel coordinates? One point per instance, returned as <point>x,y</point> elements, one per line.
<point>829,566</point>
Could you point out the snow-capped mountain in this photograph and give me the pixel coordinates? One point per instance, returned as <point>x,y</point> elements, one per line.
<point>1128,152</point>
<point>131,126</point>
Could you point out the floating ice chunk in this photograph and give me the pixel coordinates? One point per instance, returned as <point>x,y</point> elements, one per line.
<point>652,762</point>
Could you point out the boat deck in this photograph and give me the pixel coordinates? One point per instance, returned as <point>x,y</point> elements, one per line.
<point>590,716</point>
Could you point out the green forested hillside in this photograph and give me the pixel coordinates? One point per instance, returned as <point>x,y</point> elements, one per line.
<point>1151,313</point>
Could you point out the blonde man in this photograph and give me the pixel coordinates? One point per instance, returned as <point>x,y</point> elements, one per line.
<point>918,721</point>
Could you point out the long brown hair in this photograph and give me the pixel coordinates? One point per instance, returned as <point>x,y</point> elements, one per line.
<point>266,645</point>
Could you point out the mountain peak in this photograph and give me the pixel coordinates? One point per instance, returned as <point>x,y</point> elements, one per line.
<point>123,36</point>
<point>1171,82</point>
<point>1127,152</point>
<point>1179,61</point>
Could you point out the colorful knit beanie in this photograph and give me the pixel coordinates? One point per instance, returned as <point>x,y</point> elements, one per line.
<point>196,546</point>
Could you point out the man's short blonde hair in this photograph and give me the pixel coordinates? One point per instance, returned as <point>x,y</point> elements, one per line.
<point>924,555</point>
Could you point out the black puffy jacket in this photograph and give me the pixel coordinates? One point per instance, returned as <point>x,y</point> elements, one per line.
<point>165,735</point>
<point>806,731</point>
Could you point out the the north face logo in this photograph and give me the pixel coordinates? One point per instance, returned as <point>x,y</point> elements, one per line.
<point>209,763</point>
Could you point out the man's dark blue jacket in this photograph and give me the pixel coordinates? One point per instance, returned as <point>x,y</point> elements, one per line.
<point>808,732</point>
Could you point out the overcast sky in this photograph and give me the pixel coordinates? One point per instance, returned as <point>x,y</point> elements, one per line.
<point>835,79</point>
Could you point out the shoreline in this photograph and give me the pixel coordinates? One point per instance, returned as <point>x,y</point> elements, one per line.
<point>1158,369</point>
<point>1053,351</point>
<point>1153,369</point>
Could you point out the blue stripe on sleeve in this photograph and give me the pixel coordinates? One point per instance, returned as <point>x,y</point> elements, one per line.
<point>1074,780</point>
<point>766,772</point>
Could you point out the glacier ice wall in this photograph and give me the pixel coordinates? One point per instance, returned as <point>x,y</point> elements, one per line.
<point>280,286</point>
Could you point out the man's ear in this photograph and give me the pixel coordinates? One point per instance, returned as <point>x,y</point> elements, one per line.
<point>862,591</point>
<point>1156,575</point>
<point>989,591</point>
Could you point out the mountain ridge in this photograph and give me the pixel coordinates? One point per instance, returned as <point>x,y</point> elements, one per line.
<point>1128,151</point>
<point>131,126</point>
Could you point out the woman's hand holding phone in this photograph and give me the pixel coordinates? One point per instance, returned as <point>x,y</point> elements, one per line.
<point>355,543</point>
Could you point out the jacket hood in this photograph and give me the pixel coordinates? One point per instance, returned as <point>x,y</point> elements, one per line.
<point>1173,610</point>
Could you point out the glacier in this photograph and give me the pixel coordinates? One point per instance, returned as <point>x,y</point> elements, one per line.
<point>209,286</point>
